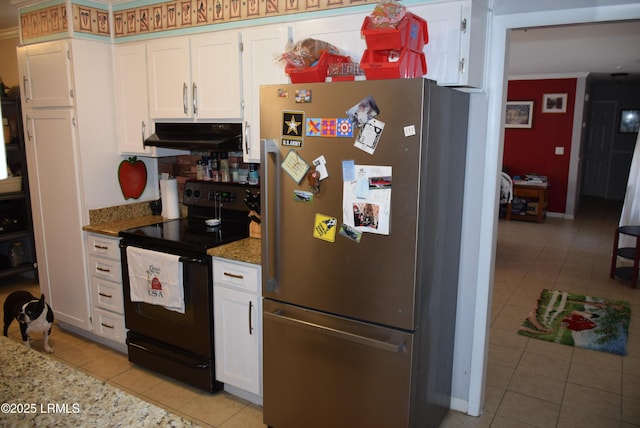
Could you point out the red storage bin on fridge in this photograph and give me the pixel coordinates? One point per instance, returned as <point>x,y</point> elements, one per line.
<point>410,33</point>
<point>316,73</point>
<point>390,64</point>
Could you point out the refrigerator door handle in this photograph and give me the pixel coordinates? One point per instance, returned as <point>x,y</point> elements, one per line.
<point>279,316</point>
<point>270,244</point>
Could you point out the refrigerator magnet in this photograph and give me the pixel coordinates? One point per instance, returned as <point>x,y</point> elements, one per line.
<point>292,123</point>
<point>350,233</point>
<point>295,166</point>
<point>370,136</point>
<point>302,196</point>
<point>302,96</point>
<point>362,112</point>
<point>321,166</point>
<point>325,227</point>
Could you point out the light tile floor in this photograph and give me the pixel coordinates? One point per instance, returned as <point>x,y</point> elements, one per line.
<point>529,383</point>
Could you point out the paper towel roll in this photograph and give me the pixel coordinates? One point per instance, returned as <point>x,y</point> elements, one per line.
<point>169,195</point>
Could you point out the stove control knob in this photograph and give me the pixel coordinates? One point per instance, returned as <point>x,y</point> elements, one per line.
<point>188,192</point>
<point>196,193</point>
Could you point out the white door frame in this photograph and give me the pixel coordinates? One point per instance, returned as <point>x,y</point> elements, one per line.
<point>497,58</point>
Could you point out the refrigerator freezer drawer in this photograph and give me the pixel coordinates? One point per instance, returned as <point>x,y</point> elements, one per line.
<point>326,371</point>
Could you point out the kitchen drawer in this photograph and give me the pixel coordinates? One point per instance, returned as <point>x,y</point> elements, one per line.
<point>527,193</point>
<point>238,275</point>
<point>103,246</point>
<point>105,268</point>
<point>107,295</point>
<point>109,325</point>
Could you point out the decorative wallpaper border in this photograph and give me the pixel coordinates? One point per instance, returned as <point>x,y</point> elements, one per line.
<point>54,20</point>
<point>165,16</point>
<point>177,14</point>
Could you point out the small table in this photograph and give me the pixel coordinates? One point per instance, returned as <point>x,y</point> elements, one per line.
<point>629,253</point>
<point>537,194</point>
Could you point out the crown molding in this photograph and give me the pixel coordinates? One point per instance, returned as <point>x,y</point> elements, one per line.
<point>9,33</point>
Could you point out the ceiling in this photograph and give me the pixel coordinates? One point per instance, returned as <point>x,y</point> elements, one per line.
<point>602,49</point>
<point>8,15</point>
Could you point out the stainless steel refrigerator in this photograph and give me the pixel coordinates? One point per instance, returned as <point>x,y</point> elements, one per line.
<point>361,194</point>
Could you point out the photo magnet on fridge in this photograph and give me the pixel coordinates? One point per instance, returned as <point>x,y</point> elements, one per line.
<point>302,196</point>
<point>362,112</point>
<point>350,233</point>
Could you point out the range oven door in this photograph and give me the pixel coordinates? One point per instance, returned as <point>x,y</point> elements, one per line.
<point>175,344</point>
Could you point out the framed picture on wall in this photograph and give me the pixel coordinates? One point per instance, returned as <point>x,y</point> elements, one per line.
<point>554,103</point>
<point>629,121</point>
<point>519,114</point>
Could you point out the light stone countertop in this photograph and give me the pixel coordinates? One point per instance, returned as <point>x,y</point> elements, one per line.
<point>246,250</point>
<point>37,390</point>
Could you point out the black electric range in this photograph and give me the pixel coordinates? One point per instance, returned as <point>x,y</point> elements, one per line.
<point>192,233</point>
<point>181,344</point>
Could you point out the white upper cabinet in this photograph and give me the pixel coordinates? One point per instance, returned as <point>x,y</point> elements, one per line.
<point>195,77</point>
<point>130,63</point>
<point>457,42</point>
<point>261,47</point>
<point>169,78</point>
<point>215,70</point>
<point>46,74</point>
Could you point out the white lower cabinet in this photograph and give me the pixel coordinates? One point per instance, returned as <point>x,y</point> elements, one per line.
<point>237,312</point>
<point>105,273</point>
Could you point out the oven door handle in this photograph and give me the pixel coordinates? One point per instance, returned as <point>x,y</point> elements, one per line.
<point>197,260</point>
<point>195,365</point>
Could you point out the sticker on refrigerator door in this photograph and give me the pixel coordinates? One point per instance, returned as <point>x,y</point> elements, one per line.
<point>370,136</point>
<point>292,123</point>
<point>291,142</point>
<point>295,166</point>
<point>314,127</point>
<point>282,93</point>
<point>303,96</point>
<point>350,233</point>
<point>325,227</point>
<point>344,128</point>
<point>364,111</point>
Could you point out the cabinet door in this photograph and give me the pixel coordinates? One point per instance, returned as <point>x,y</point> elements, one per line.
<point>132,108</point>
<point>260,47</point>
<point>168,72</point>
<point>46,76</point>
<point>238,328</point>
<point>57,212</point>
<point>458,32</point>
<point>215,72</point>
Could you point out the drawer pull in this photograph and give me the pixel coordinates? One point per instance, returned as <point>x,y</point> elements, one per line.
<point>107,325</point>
<point>105,295</point>
<point>233,275</point>
<point>103,269</point>
<point>100,247</point>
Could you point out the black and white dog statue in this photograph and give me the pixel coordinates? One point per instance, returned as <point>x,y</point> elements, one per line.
<point>33,314</point>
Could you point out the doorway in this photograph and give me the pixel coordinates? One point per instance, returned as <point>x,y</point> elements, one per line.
<point>597,151</point>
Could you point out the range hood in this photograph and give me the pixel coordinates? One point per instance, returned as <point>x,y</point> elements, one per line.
<point>197,136</point>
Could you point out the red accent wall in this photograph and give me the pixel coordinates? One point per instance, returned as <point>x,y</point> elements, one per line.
<point>532,150</point>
